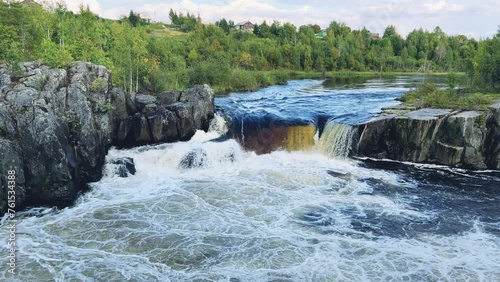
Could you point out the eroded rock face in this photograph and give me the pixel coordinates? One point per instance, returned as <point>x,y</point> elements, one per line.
<point>56,126</point>
<point>54,131</point>
<point>460,139</point>
<point>492,142</point>
<point>169,117</point>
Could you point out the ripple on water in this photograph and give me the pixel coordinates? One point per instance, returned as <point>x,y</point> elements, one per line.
<point>285,216</point>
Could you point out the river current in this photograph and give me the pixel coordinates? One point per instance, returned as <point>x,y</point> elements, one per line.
<point>284,216</point>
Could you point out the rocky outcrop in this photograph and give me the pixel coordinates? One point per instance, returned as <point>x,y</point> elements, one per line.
<point>170,116</point>
<point>460,139</point>
<point>54,130</point>
<point>56,126</point>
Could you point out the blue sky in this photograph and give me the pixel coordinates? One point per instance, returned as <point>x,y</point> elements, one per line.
<point>477,19</point>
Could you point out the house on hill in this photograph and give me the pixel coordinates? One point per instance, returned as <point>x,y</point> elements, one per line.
<point>374,36</point>
<point>245,26</point>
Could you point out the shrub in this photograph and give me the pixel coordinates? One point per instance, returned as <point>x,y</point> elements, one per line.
<point>98,85</point>
<point>210,72</point>
<point>107,108</point>
<point>476,101</point>
<point>440,99</point>
<point>281,77</point>
<point>429,95</point>
<point>264,79</point>
<point>243,80</point>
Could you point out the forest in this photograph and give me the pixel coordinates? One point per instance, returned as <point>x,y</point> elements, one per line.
<point>154,57</point>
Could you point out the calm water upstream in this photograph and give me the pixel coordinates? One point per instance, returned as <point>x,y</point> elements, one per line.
<point>284,216</point>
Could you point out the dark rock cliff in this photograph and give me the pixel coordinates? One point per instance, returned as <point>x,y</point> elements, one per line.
<point>56,126</point>
<point>468,139</point>
<point>168,117</point>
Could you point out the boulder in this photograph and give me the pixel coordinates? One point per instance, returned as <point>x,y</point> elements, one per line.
<point>169,98</point>
<point>126,166</point>
<point>142,100</point>
<point>142,132</point>
<point>119,103</point>
<point>164,126</point>
<point>201,99</point>
<point>173,116</point>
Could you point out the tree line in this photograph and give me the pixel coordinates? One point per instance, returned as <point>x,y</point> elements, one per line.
<point>153,57</point>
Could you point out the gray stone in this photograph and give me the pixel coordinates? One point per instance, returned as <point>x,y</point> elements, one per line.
<point>141,129</point>
<point>164,126</point>
<point>142,100</point>
<point>130,102</point>
<point>448,154</point>
<point>468,139</point>
<point>119,103</point>
<point>56,100</point>
<point>149,109</point>
<point>426,114</point>
<point>35,79</point>
<point>184,113</point>
<point>22,98</point>
<point>168,98</point>
<point>29,66</point>
<point>7,125</point>
<point>4,80</point>
<point>10,160</point>
<point>56,79</point>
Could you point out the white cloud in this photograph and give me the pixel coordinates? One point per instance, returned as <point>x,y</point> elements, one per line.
<point>74,5</point>
<point>456,16</point>
<point>443,6</point>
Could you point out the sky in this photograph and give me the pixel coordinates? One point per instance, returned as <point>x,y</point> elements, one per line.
<point>478,19</point>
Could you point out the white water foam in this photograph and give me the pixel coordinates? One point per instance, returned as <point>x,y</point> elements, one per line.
<point>336,140</point>
<point>237,216</point>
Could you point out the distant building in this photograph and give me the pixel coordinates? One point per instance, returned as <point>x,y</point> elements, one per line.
<point>321,34</point>
<point>245,26</point>
<point>374,36</point>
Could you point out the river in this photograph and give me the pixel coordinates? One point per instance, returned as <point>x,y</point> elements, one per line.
<point>207,210</point>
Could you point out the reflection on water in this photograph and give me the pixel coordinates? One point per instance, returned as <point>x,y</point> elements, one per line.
<point>385,81</point>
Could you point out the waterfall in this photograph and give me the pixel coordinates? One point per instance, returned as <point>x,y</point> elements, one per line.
<point>218,124</point>
<point>336,140</point>
<point>299,138</point>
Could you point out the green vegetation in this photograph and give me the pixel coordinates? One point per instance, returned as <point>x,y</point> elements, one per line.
<point>107,107</point>
<point>429,95</point>
<point>153,57</point>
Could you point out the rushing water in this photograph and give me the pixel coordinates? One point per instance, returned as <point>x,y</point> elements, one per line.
<point>209,211</point>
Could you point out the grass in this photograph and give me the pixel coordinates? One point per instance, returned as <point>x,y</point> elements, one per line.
<point>430,96</point>
<point>161,32</point>
<point>246,80</point>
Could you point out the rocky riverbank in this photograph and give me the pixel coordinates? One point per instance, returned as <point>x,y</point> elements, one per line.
<point>56,126</point>
<point>469,139</point>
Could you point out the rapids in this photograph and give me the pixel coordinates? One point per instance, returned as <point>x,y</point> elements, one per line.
<point>207,210</point>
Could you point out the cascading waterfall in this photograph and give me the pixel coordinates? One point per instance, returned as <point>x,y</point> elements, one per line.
<point>218,124</point>
<point>336,140</point>
<point>300,138</point>
<point>211,209</point>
